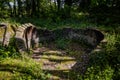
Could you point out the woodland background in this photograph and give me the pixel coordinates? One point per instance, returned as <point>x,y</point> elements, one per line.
<point>53,14</point>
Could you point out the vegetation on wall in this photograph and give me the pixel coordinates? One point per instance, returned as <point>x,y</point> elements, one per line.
<point>55,14</point>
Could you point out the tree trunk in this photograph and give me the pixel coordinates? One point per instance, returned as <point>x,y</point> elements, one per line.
<point>10,9</point>
<point>69,5</point>
<point>33,8</point>
<point>38,7</point>
<point>84,4</point>
<point>28,7</point>
<point>14,8</point>
<point>19,8</point>
<point>58,3</point>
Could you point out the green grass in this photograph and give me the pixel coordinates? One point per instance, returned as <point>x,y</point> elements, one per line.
<point>50,24</point>
<point>103,65</point>
<point>21,68</point>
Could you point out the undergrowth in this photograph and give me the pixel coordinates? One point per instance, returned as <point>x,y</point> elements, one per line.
<point>21,68</point>
<point>103,65</point>
<point>18,66</point>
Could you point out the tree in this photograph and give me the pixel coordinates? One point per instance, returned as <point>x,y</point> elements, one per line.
<point>84,4</point>
<point>58,3</point>
<point>68,4</point>
<point>19,7</point>
<point>28,7</point>
<point>14,8</point>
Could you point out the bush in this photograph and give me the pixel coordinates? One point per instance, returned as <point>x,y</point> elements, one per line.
<point>10,50</point>
<point>106,63</point>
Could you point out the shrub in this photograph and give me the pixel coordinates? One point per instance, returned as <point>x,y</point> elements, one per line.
<point>105,64</point>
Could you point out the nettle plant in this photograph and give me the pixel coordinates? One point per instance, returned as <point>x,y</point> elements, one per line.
<point>10,50</point>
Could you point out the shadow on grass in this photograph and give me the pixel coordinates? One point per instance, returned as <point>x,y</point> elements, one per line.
<point>54,58</point>
<point>16,68</point>
<point>61,74</point>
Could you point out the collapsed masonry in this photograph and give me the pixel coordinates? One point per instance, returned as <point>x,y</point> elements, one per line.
<point>19,33</point>
<point>27,36</point>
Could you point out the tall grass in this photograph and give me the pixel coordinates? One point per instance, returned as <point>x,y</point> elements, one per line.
<point>24,68</point>
<point>103,65</point>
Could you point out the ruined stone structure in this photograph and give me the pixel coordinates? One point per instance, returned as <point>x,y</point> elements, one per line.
<point>88,35</point>
<point>28,36</point>
<point>6,32</point>
<point>22,35</point>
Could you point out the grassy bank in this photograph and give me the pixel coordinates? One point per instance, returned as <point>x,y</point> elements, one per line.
<point>103,65</point>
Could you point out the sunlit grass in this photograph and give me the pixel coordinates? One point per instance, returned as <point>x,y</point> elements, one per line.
<point>20,69</point>
<point>103,64</point>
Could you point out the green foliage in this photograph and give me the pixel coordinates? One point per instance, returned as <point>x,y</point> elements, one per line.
<point>106,63</point>
<point>62,43</point>
<point>8,52</point>
<point>96,73</point>
<point>104,11</point>
<point>103,65</point>
<point>112,48</point>
<point>24,68</point>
